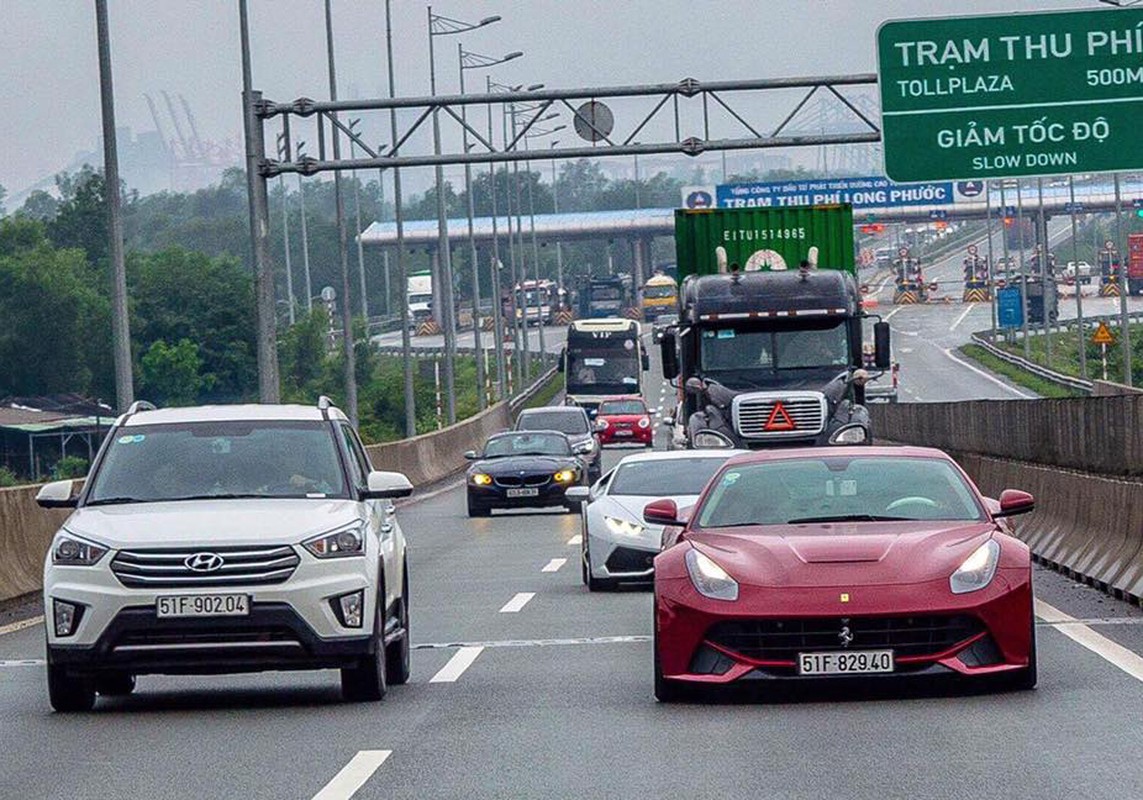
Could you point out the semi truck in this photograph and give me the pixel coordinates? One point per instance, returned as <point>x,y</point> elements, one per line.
<point>419,296</point>
<point>768,350</point>
<point>603,297</point>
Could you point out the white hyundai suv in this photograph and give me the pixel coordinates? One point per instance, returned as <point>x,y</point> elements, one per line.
<point>226,539</point>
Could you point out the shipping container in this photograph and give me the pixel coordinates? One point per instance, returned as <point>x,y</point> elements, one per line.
<point>764,238</point>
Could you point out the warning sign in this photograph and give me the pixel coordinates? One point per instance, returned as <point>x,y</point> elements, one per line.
<point>1102,335</point>
<point>780,420</point>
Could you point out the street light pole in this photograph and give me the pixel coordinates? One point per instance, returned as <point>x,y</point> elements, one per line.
<point>556,210</point>
<point>497,291</point>
<point>353,123</point>
<point>286,230</point>
<point>535,245</point>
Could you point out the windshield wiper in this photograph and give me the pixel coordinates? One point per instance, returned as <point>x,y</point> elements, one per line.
<point>849,518</point>
<point>119,501</point>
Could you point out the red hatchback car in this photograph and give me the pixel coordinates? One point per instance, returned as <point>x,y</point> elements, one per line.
<point>823,563</point>
<point>624,420</point>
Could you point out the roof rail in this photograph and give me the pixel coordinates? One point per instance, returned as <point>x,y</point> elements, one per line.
<point>140,405</point>
<point>324,403</point>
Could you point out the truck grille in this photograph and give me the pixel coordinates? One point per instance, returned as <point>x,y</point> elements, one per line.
<point>167,568</point>
<point>756,417</point>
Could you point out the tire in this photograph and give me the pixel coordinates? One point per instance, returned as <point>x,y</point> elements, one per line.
<point>1025,680</point>
<point>477,510</point>
<point>398,663</point>
<point>69,693</point>
<point>366,682</point>
<point>115,684</point>
<point>666,691</point>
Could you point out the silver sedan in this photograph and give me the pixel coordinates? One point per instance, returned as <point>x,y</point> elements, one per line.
<point>618,546</point>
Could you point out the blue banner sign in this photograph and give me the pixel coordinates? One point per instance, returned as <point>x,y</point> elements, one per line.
<point>1009,307</point>
<point>859,192</point>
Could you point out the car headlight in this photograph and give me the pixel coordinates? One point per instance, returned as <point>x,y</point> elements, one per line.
<point>480,479</point>
<point>588,446</point>
<point>709,579</point>
<point>564,476</point>
<point>601,424</point>
<point>623,527</point>
<point>71,551</point>
<point>337,544</point>
<point>850,434</point>
<point>977,570</point>
<point>711,439</point>
<point>645,422</point>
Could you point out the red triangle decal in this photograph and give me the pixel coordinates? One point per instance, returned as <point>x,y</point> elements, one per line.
<point>779,420</point>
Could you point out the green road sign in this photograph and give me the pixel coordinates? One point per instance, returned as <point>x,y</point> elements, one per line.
<point>1015,94</point>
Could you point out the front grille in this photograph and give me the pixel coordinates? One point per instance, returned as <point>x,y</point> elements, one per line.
<point>781,640</point>
<point>512,481</point>
<point>167,568</point>
<point>628,559</point>
<point>217,635</point>
<point>805,415</point>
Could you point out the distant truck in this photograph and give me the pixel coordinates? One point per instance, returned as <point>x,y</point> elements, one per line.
<point>768,348</point>
<point>660,296</point>
<point>419,296</point>
<point>603,297</point>
<point>1134,263</point>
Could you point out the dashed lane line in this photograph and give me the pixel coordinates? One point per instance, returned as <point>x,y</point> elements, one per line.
<point>575,540</point>
<point>23,624</point>
<point>566,642</point>
<point>1112,652</point>
<point>353,775</point>
<point>554,565</point>
<point>514,605</point>
<point>461,660</point>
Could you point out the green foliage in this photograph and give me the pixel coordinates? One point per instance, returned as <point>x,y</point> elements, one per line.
<point>40,205</point>
<point>302,353</point>
<point>1018,376</point>
<point>69,467</point>
<point>8,478</point>
<point>81,218</point>
<point>170,374</point>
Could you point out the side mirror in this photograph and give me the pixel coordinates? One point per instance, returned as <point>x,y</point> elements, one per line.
<point>386,485</point>
<point>881,345</point>
<point>1013,502</point>
<point>652,411</point>
<point>661,512</point>
<point>694,385</point>
<point>668,421</point>
<point>563,358</point>
<point>646,361</point>
<point>669,354</point>
<point>57,494</point>
<point>578,494</point>
<point>471,455</point>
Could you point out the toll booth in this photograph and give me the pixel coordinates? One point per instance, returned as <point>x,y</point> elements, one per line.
<point>910,281</point>
<point>976,288</point>
<point>1108,259</point>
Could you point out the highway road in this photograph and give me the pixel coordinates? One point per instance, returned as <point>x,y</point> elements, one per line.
<point>525,685</point>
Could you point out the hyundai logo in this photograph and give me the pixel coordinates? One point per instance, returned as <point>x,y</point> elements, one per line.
<point>204,562</point>
<point>846,635</point>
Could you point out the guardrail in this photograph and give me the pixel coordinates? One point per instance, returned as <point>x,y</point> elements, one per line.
<point>1078,384</point>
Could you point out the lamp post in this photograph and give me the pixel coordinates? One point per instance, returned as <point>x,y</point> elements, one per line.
<point>501,371</point>
<point>305,233</point>
<point>470,60</point>
<point>444,26</point>
<point>286,227</point>
<point>532,227</point>
<point>556,210</point>
<point>353,123</point>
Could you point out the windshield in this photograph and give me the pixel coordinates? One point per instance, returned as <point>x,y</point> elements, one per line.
<point>147,463</point>
<point>420,298</point>
<point>571,421</point>
<point>606,293</point>
<point>735,350</point>
<point>527,444</point>
<point>664,478</point>
<point>659,291</point>
<point>865,488</point>
<point>604,370</point>
<point>622,407</point>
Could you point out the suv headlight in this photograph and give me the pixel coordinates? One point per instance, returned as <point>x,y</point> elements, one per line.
<point>623,527</point>
<point>850,434</point>
<point>711,439</point>
<point>343,542</point>
<point>709,579</point>
<point>977,570</point>
<point>71,551</point>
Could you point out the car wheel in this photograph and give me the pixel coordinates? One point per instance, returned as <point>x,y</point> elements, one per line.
<point>398,664</point>
<point>115,684</point>
<point>477,510</point>
<point>68,692</point>
<point>365,682</point>
<point>666,691</point>
<point>1025,680</point>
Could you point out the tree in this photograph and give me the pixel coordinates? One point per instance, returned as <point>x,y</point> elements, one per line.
<point>301,353</point>
<point>81,220</point>
<point>170,374</point>
<point>3,194</point>
<point>40,205</point>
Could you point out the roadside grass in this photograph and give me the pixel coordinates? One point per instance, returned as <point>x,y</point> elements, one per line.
<point>549,391</point>
<point>1026,380</point>
<point>1065,349</point>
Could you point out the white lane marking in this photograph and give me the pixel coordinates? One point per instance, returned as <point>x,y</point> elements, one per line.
<point>577,539</point>
<point>514,605</point>
<point>456,665</point>
<point>1116,654</point>
<point>630,639</point>
<point>554,565</point>
<point>889,316</point>
<point>964,314</point>
<point>23,624</point>
<point>990,377</point>
<point>353,775</point>
<point>905,349</point>
<point>22,662</point>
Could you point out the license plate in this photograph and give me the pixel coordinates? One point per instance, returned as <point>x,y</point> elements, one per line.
<point>858,662</point>
<point>621,432</point>
<point>203,605</point>
<point>525,492</point>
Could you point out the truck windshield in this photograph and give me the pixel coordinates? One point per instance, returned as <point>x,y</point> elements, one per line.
<point>605,293</point>
<point>659,291</point>
<point>734,350</point>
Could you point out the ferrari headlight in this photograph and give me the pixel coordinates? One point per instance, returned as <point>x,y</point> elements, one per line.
<point>623,527</point>
<point>337,544</point>
<point>480,479</point>
<point>850,434</point>
<point>977,570</point>
<point>711,439</point>
<point>709,579</point>
<point>71,551</point>
<point>564,476</point>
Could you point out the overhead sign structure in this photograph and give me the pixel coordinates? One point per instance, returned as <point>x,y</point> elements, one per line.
<point>1013,94</point>
<point>870,192</point>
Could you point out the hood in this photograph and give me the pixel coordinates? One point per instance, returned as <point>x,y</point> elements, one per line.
<point>510,464</point>
<point>843,554</point>
<point>201,523</point>
<point>631,418</point>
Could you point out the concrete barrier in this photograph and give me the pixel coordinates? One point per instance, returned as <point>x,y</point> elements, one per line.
<point>1111,389</point>
<point>26,532</point>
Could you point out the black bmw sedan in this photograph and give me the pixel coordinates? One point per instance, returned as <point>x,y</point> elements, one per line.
<point>522,469</point>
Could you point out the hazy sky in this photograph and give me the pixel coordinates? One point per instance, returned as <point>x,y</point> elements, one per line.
<point>50,70</point>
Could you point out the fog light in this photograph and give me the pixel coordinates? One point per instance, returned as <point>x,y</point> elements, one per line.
<point>352,607</point>
<point>66,617</point>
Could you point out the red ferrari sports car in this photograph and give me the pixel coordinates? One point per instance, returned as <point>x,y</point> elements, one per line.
<point>624,420</point>
<point>829,562</point>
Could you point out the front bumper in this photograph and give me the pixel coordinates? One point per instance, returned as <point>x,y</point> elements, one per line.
<point>552,494</point>
<point>631,435</point>
<point>997,636</point>
<point>627,558</point>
